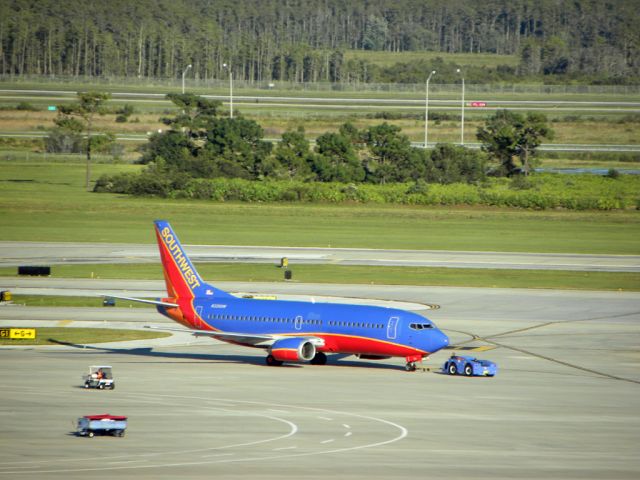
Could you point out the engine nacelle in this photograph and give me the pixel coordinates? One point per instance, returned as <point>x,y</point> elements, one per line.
<point>293,350</point>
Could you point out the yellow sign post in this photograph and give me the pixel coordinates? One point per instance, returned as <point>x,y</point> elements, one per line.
<point>18,333</point>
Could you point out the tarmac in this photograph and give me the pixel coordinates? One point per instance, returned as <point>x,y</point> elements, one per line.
<point>563,404</point>
<point>54,253</point>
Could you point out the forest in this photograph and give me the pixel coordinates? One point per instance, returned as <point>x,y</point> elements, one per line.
<point>590,41</point>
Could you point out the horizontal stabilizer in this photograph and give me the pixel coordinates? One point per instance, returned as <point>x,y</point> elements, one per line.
<point>142,300</point>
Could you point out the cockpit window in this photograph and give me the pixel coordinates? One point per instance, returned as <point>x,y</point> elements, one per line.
<point>420,326</point>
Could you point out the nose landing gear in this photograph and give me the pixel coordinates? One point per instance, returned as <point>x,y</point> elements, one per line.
<point>411,362</point>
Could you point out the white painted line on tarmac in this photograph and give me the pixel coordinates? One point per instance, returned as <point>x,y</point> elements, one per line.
<point>129,461</point>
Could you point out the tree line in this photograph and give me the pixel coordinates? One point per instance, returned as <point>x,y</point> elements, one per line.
<point>305,41</point>
<point>200,143</point>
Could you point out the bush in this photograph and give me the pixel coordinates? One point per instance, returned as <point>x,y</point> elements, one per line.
<point>60,141</point>
<point>123,113</point>
<point>520,182</point>
<point>120,183</point>
<point>613,173</point>
<point>26,106</point>
<point>545,191</point>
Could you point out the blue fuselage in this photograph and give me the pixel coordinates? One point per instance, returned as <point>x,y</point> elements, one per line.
<point>345,328</point>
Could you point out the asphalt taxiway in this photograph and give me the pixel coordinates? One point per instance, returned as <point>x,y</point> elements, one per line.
<point>563,405</point>
<point>53,253</point>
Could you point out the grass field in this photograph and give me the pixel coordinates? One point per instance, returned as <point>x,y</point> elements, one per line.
<point>68,301</point>
<point>568,129</point>
<point>69,335</point>
<point>240,272</point>
<point>47,202</point>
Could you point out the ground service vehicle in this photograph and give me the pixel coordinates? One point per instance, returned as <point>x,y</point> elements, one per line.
<point>100,376</point>
<point>103,424</point>
<point>469,366</point>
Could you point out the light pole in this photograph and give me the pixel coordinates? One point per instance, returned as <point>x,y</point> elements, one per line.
<point>462,123</point>
<point>228,67</point>
<point>426,110</point>
<point>183,74</point>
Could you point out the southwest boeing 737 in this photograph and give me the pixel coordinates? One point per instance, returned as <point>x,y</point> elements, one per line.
<point>290,331</point>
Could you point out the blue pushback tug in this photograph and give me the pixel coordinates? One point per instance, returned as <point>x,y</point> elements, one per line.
<point>469,366</point>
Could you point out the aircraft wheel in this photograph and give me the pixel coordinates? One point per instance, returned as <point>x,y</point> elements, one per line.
<point>272,361</point>
<point>410,367</point>
<point>468,370</point>
<point>319,359</point>
<point>452,369</point>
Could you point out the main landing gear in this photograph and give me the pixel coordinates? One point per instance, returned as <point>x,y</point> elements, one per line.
<point>319,359</point>
<point>272,361</point>
<point>411,362</point>
<point>410,367</point>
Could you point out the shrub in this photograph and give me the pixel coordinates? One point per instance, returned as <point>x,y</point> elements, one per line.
<point>577,192</point>
<point>520,182</point>
<point>26,106</point>
<point>613,173</point>
<point>60,141</point>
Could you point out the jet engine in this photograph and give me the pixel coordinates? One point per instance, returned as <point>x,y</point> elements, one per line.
<point>293,350</point>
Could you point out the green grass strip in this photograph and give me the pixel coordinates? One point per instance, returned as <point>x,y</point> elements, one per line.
<point>458,277</point>
<point>70,301</point>
<point>66,335</point>
<point>47,202</point>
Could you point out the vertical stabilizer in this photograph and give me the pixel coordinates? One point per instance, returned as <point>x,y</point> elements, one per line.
<point>181,277</point>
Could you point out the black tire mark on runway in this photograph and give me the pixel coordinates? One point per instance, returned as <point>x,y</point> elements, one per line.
<point>488,339</point>
<point>519,330</point>
<point>561,362</point>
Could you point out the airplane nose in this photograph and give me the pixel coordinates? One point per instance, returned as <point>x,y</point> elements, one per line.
<point>441,342</point>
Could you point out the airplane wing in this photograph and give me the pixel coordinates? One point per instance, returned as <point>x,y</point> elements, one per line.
<point>256,340</point>
<point>142,300</point>
<point>243,338</point>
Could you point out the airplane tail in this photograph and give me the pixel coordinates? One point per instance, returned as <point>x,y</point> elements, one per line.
<point>181,277</point>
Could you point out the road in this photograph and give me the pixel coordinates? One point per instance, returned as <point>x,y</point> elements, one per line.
<point>392,100</point>
<point>50,253</point>
<point>563,405</point>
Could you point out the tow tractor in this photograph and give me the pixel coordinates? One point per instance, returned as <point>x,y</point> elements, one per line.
<point>100,376</point>
<point>104,424</point>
